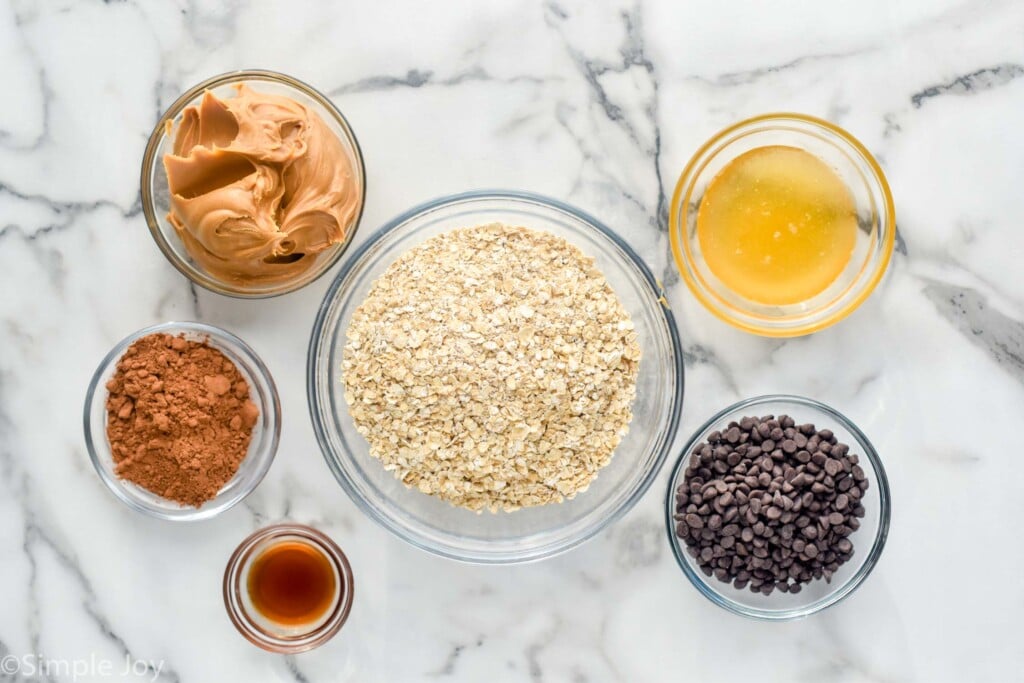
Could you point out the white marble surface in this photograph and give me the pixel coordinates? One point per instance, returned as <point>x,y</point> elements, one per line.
<point>599,104</point>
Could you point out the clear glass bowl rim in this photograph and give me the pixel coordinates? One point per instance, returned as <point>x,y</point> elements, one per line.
<point>684,259</point>
<point>174,327</point>
<point>317,337</point>
<point>149,160</point>
<point>250,630</point>
<point>840,592</point>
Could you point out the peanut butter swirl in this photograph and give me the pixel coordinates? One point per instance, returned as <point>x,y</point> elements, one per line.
<point>259,185</point>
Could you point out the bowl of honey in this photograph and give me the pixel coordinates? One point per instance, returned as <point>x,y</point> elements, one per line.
<point>782,224</point>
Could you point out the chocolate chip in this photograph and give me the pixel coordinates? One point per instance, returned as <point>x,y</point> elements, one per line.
<point>769,505</point>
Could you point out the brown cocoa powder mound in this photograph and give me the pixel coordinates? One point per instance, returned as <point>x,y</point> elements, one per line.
<point>179,418</point>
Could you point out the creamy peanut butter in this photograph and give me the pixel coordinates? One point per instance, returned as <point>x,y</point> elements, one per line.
<point>259,185</point>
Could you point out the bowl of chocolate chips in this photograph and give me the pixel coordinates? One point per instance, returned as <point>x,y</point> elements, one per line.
<point>778,507</point>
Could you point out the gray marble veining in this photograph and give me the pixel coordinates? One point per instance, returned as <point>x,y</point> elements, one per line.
<point>599,104</point>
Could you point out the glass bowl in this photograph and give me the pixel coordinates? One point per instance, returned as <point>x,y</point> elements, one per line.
<point>264,633</point>
<point>875,236</point>
<point>265,433</point>
<point>156,198</point>
<point>868,540</point>
<point>530,533</point>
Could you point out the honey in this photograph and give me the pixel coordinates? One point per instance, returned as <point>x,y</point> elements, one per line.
<point>292,583</point>
<point>777,225</point>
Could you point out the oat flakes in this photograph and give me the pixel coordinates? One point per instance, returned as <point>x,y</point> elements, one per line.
<point>493,367</point>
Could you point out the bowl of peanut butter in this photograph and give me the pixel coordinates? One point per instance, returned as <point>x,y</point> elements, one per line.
<point>253,184</point>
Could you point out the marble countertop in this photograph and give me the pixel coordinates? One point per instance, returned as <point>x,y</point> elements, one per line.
<point>600,104</point>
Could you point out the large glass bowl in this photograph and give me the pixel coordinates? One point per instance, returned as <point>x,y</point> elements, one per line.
<point>868,540</point>
<point>530,533</point>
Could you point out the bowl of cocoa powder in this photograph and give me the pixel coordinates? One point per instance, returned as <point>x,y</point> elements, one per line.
<point>182,420</point>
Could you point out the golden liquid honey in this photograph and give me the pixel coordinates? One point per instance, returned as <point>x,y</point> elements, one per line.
<point>777,225</point>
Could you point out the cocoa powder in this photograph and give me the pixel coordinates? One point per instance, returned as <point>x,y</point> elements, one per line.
<point>179,418</point>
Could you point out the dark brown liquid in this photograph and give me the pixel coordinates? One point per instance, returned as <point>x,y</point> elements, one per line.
<point>292,583</point>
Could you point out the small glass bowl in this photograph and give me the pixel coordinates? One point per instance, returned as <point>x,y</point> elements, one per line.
<point>156,198</point>
<point>535,532</point>
<point>876,223</point>
<point>264,633</point>
<point>265,433</point>
<point>868,540</point>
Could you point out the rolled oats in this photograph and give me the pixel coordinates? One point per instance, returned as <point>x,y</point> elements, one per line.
<point>493,367</point>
